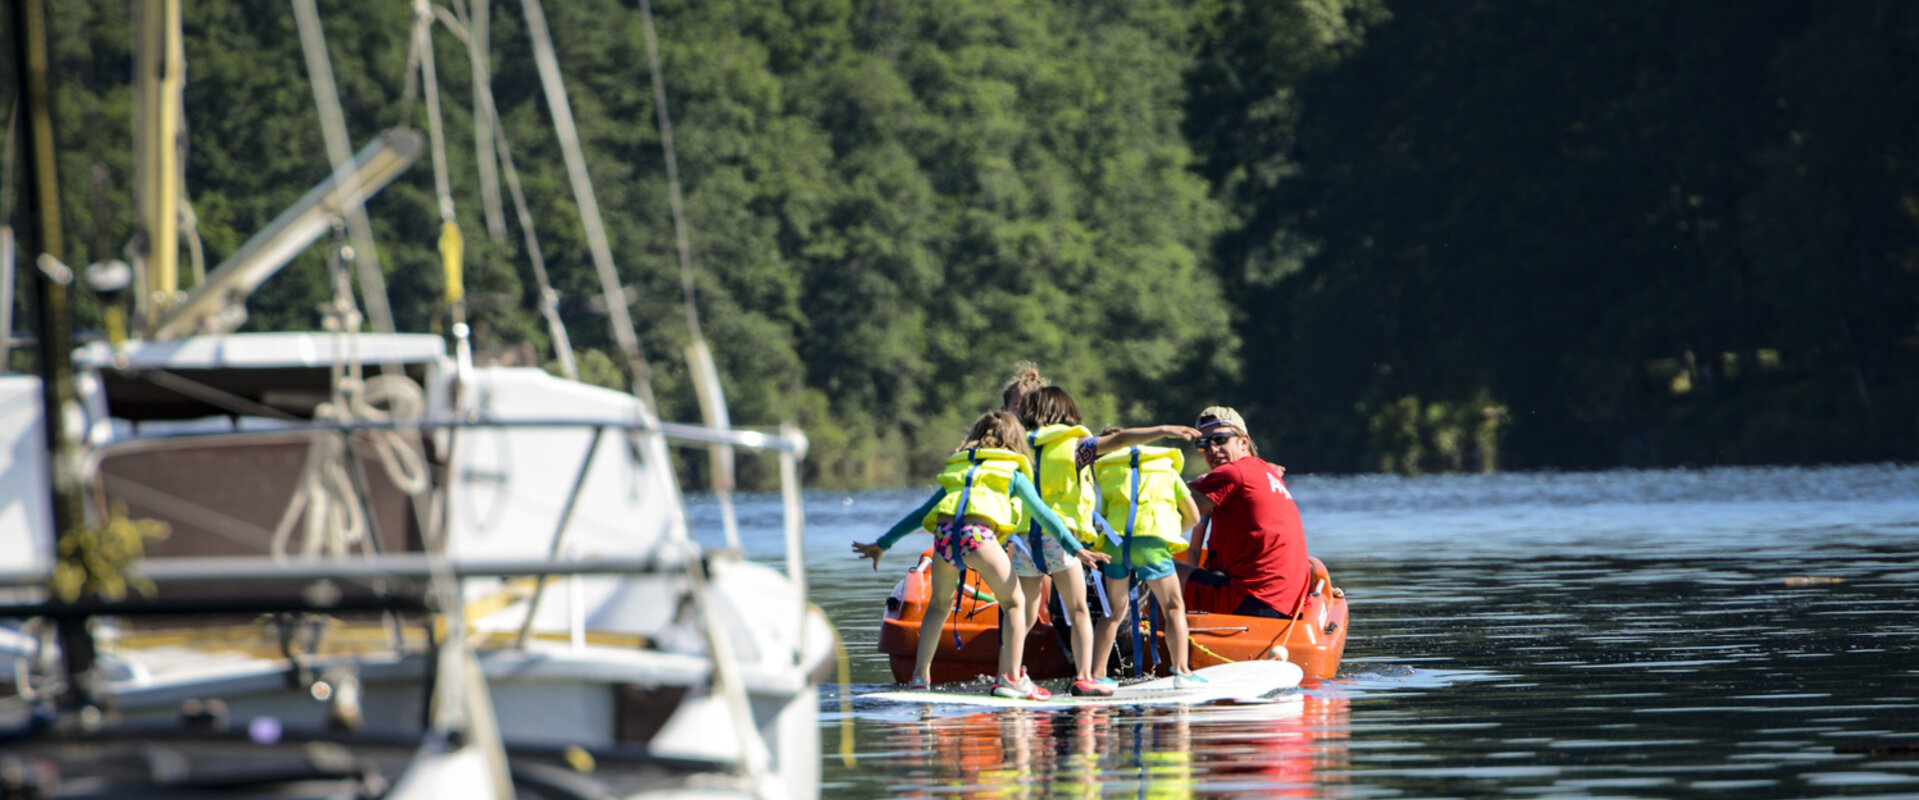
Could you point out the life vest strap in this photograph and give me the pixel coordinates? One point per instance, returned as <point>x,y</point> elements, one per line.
<point>1126,562</point>
<point>953,548</point>
<point>1032,525</point>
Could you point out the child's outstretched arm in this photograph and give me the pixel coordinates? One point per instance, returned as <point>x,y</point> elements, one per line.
<point>872,551</point>
<point>1052,524</point>
<point>907,524</point>
<point>1132,436</point>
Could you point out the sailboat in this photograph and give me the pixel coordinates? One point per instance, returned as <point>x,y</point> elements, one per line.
<point>357,563</point>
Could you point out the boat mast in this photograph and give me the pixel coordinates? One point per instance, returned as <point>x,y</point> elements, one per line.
<point>40,235</point>
<point>159,82</point>
<point>6,236</point>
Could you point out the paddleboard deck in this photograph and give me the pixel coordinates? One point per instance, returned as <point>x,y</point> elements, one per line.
<point>1239,682</point>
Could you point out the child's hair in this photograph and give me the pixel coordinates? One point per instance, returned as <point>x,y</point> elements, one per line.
<point>997,429</point>
<point>1048,405</point>
<point>1025,379</point>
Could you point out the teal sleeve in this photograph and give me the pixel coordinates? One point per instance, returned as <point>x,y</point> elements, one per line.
<point>1023,489</point>
<point>911,522</point>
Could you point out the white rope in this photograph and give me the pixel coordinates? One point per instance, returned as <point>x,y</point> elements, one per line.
<point>325,497</point>
<point>395,397</point>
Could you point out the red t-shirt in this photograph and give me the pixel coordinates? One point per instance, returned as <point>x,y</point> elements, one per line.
<point>1256,537</point>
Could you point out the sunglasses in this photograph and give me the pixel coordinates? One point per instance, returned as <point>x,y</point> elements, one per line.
<point>1214,440</point>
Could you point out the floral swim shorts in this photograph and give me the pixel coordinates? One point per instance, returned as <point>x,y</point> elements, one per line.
<point>970,536</point>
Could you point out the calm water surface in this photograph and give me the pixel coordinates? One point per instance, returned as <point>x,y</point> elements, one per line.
<point>1737,633</point>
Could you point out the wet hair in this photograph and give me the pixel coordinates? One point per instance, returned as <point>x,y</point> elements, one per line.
<point>1025,379</point>
<point>1048,405</point>
<point>997,429</point>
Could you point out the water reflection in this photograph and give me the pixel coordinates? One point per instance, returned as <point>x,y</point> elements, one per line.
<point>1281,749</point>
<point>1720,634</point>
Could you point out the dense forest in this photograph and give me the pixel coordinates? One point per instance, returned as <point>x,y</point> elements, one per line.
<point>1407,236</point>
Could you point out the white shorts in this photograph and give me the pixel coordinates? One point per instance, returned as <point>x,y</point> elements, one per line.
<point>1056,558</point>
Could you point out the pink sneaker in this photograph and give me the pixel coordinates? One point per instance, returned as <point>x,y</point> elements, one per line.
<point>1091,688</point>
<point>918,684</point>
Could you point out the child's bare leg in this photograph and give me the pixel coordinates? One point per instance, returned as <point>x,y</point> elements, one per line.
<point>939,603</point>
<point>1029,591</point>
<point>1172,606</point>
<point>1108,630</point>
<point>1070,585</point>
<point>991,562</point>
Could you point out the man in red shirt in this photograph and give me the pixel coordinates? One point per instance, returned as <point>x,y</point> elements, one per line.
<point>1256,563</point>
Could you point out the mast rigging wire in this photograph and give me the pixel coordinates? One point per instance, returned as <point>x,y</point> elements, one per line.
<point>476,53</point>
<point>549,297</point>
<point>345,183</point>
<point>705,376</point>
<point>616,304</point>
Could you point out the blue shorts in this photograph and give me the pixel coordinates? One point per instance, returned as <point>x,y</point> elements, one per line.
<point>1151,559</point>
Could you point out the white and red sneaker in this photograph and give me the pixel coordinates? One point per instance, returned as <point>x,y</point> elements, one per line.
<point>1020,688</point>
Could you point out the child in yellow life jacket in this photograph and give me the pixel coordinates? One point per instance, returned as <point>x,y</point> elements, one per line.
<point>1064,450</point>
<point>986,495</point>
<point>1149,508</point>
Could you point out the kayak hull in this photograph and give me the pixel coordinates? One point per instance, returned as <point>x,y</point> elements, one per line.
<point>1316,640</point>
<point>975,622</point>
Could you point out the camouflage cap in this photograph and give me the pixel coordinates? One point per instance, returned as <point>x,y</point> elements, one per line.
<point>1221,416</point>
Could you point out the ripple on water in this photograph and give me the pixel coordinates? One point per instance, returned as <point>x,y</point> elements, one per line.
<point>1570,635</point>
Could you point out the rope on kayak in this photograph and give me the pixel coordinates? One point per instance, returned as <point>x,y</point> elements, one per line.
<point>1286,632</point>
<point>1204,649</point>
<point>1207,650</point>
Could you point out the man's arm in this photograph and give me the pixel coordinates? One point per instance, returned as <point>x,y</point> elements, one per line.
<point>1217,483</point>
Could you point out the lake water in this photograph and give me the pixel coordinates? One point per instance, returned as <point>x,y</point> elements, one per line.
<point>1726,633</point>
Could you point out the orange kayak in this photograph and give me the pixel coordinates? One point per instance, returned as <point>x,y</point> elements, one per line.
<point>1315,640</point>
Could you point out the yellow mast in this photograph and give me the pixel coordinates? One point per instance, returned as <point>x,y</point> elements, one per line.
<point>159,81</point>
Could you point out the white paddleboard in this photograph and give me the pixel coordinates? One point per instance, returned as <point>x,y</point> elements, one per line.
<point>1240,682</point>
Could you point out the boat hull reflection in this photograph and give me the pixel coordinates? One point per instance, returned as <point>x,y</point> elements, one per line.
<point>1292,748</point>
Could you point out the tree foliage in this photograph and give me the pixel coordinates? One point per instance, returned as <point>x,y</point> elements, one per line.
<point>1629,233</point>
<point>1400,235</point>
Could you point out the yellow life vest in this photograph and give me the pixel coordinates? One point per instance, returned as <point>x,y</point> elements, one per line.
<point>1159,478</point>
<point>1062,487</point>
<point>985,477</point>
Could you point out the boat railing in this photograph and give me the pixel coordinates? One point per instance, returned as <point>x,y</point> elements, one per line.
<point>188,570</point>
<point>788,440</point>
<point>788,444</point>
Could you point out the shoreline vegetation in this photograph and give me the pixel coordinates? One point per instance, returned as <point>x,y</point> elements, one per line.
<point>1399,237</point>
